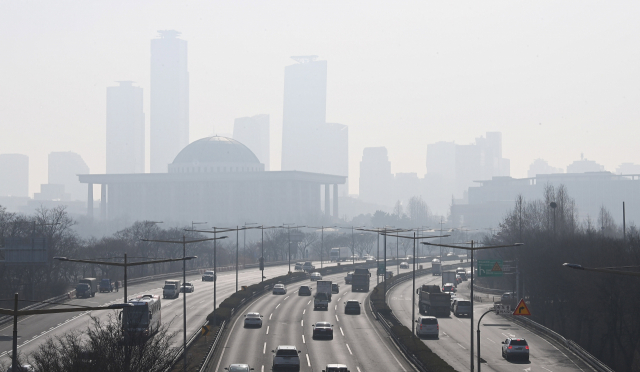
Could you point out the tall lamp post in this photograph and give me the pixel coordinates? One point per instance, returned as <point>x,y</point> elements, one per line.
<point>472,249</point>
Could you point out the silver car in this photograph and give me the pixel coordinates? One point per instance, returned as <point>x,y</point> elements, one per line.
<point>427,326</point>
<point>239,368</point>
<point>279,289</point>
<point>462,307</point>
<point>253,320</point>
<point>515,348</point>
<point>286,356</point>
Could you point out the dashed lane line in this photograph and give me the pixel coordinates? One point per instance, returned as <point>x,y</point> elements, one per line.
<point>349,349</point>
<point>308,361</point>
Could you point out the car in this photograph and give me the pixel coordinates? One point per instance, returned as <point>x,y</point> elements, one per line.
<point>404,265</point>
<point>458,278</point>
<point>308,266</point>
<point>427,326</point>
<point>187,287</point>
<point>352,307</point>
<point>514,347</point>
<point>304,290</point>
<point>253,320</point>
<point>315,276</point>
<point>371,260</point>
<point>348,278</point>
<point>323,329</point>
<point>449,287</point>
<point>388,275</point>
<point>462,307</point>
<point>464,276</point>
<point>336,368</point>
<point>298,266</point>
<point>279,289</point>
<point>286,356</point>
<point>208,276</point>
<point>239,368</point>
<point>335,288</point>
<point>507,297</point>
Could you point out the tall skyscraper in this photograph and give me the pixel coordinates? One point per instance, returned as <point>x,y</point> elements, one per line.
<point>376,180</point>
<point>14,175</point>
<point>64,168</point>
<point>169,130</point>
<point>304,113</point>
<point>125,129</point>
<point>253,132</point>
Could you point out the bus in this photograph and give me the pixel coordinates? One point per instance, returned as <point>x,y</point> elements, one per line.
<point>143,318</point>
<point>340,254</point>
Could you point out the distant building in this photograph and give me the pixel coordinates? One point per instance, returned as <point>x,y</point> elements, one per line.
<point>540,166</point>
<point>219,180</point>
<point>255,134</point>
<point>376,180</point>
<point>334,153</point>
<point>64,168</point>
<point>14,175</point>
<point>125,129</point>
<point>628,168</point>
<point>583,165</point>
<point>169,128</point>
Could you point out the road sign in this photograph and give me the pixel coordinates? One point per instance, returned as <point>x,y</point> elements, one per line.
<point>490,267</point>
<point>205,329</point>
<point>522,309</point>
<point>503,309</point>
<point>382,268</point>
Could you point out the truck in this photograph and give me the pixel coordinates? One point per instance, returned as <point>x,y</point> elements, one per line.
<point>449,277</point>
<point>323,294</point>
<point>436,267</point>
<point>340,254</point>
<point>87,287</point>
<point>433,302</point>
<point>106,285</point>
<point>171,289</point>
<point>308,266</point>
<point>360,280</point>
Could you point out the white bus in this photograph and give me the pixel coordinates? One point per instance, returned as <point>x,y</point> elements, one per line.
<point>340,254</point>
<point>143,318</point>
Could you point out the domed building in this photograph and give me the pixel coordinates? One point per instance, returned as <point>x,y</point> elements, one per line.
<point>219,180</point>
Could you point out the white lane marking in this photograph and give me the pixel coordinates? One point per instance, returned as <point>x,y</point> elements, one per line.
<point>491,340</point>
<point>358,368</point>
<point>349,349</point>
<point>337,318</point>
<point>267,329</point>
<point>546,369</point>
<point>262,369</point>
<point>309,302</point>
<point>304,311</point>
<point>461,346</point>
<point>285,298</point>
<point>341,331</point>
<point>270,316</point>
<point>264,348</point>
<point>335,307</point>
<point>302,323</point>
<point>278,306</point>
<point>303,341</point>
<point>308,361</point>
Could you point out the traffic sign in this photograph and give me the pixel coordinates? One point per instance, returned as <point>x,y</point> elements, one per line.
<point>205,329</point>
<point>502,309</point>
<point>522,309</point>
<point>490,267</point>
<point>382,268</point>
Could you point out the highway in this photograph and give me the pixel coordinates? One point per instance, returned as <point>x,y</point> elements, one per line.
<point>454,342</point>
<point>358,341</point>
<point>34,330</point>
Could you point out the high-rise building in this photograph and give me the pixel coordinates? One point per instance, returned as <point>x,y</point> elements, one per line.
<point>125,129</point>
<point>541,166</point>
<point>304,113</point>
<point>64,168</point>
<point>14,175</point>
<point>253,132</point>
<point>169,129</point>
<point>376,180</point>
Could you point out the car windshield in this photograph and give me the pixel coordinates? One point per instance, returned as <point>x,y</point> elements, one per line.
<point>337,369</point>
<point>429,321</point>
<point>239,368</point>
<point>253,315</point>
<point>286,353</point>
<point>136,316</point>
<point>186,285</point>
<point>169,286</point>
<point>464,303</point>
<point>279,286</point>
<point>323,324</point>
<point>208,273</point>
<point>518,343</point>
<point>352,303</point>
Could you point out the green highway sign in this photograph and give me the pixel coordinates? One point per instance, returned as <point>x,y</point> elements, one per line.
<point>382,268</point>
<point>490,267</point>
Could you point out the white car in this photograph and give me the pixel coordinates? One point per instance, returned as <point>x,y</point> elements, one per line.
<point>404,265</point>
<point>239,368</point>
<point>253,320</point>
<point>315,276</point>
<point>279,289</point>
<point>187,287</point>
<point>286,356</point>
<point>427,326</point>
<point>336,368</point>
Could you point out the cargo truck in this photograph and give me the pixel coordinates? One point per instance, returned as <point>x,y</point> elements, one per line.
<point>436,267</point>
<point>106,285</point>
<point>87,287</point>
<point>449,277</point>
<point>171,289</point>
<point>360,280</point>
<point>323,294</point>
<point>433,302</point>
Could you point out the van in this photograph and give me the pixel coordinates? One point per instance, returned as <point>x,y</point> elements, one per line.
<point>427,326</point>
<point>461,307</point>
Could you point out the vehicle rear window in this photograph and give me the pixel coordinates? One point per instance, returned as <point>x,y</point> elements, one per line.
<point>287,353</point>
<point>518,342</point>
<point>429,321</point>
<point>464,303</point>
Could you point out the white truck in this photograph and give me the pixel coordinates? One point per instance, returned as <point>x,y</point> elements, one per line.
<point>340,254</point>
<point>171,289</point>
<point>323,294</point>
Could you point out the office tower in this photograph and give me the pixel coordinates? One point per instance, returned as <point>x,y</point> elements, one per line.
<point>304,113</point>
<point>14,175</point>
<point>253,132</point>
<point>169,129</point>
<point>64,168</point>
<point>334,153</point>
<point>376,180</point>
<point>125,129</point>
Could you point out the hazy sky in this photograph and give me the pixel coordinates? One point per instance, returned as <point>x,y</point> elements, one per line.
<point>557,78</point>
